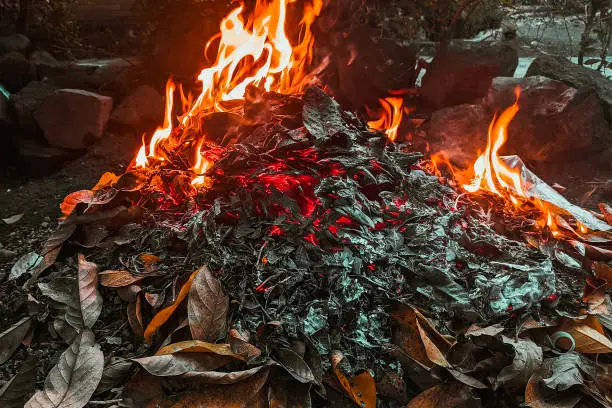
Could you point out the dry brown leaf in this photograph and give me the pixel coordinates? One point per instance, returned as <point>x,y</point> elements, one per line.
<point>88,197</point>
<point>433,353</point>
<point>107,180</point>
<point>589,336</point>
<point>604,272</point>
<point>539,396</point>
<point>73,380</point>
<point>13,394</point>
<point>606,210</point>
<point>442,396</point>
<point>180,363</point>
<point>118,279</point>
<point>361,388</point>
<point>90,299</point>
<point>243,348</point>
<point>13,219</point>
<point>207,307</point>
<point>134,315</point>
<point>220,377</point>
<point>197,346</point>
<point>114,373</point>
<point>163,315</point>
<point>596,300</point>
<point>295,365</point>
<point>11,338</point>
<point>149,261</point>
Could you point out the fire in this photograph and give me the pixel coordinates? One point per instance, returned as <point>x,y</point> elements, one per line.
<point>390,117</point>
<point>253,50</point>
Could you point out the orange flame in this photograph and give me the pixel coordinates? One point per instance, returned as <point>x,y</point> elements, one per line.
<point>390,118</point>
<point>253,51</point>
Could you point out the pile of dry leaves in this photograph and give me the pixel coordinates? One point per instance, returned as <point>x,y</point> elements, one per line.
<point>318,265</point>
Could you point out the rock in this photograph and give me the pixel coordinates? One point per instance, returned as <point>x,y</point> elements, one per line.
<point>14,43</point>
<point>38,159</point>
<point>555,122</point>
<point>73,118</point>
<point>27,101</point>
<point>464,72</point>
<point>44,62</point>
<point>144,105</point>
<point>16,71</point>
<point>460,132</point>
<point>564,70</point>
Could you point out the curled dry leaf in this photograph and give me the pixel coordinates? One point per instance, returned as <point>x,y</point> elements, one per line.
<point>180,363</point>
<point>606,210</point>
<point>13,219</point>
<point>588,335</point>
<point>243,348</point>
<point>134,315</point>
<point>219,377</point>
<point>207,306</point>
<point>118,279</point>
<point>295,365</point>
<point>527,359</point>
<point>107,180</point>
<point>89,298</point>
<point>13,394</point>
<point>163,315</point>
<point>604,272</point>
<point>361,388</point>
<point>25,265</point>
<point>88,197</point>
<point>11,338</point>
<point>73,380</point>
<point>197,346</point>
<point>114,373</point>
<point>442,396</point>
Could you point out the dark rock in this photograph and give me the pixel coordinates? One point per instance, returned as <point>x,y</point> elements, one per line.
<point>564,70</point>
<point>460,132</point>
<point>464,72</point>
<point>73,118</point>
<point>38,159</point>
<point>144,105</point>
<point>14,43</point>
<point>16,71</point>
<point>555,122</point>
<point>44,62</point>
<point>27,101</point>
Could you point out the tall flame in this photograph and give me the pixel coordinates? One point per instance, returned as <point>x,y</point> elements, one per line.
<point>251,51</point>
<point>390,117</point>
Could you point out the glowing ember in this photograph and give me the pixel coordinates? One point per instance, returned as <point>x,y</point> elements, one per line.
<point>390,117</point>
<point>251,51</point>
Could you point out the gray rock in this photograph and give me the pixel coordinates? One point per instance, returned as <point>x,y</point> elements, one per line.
<point>460,132</point>
<point>14,43</point>
<point>464,72</point>
<point>73,118</point>
<point>16,71</point>
<point>44,62</point>
<point>41,159</point>
<point>555,122</point>
<point>563,70</point>
<point>143,105</point>
<point>27,101</point>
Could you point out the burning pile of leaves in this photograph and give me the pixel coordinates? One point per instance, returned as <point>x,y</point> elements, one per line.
<point>314,264</point>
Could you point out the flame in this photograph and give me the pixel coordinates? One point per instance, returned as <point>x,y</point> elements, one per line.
<point>390,117</point>
<point>253,50</point>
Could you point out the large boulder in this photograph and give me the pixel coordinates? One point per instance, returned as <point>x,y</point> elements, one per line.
<point>44,62</point>
<point>141,107</point>
<point>573,75</point>
<point>26,103</point>
<point>14,43</point>
<point>38,159</point>
<point>462,74</point>
<point>73,118</point>
<point>555,121</point>
<point>459,132</point>
<point>16,71</point>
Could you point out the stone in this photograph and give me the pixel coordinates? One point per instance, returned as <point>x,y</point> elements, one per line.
<point>73,118</point>
<point>460,132</point>
<point>574,75</point>
<point>143,106</point>
<point>463,73</point>
<point>44,62</point>
<point>16,71</point>
<point>555,122</point>
<point>14,43</point>
<point>27,101</point>
<point>40,159</point>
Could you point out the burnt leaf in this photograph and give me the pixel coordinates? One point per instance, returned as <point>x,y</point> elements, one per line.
<point>527,359</point>
<point>207,306</point>
<point>73,380</point>
<point>11,338</point>
<point>114,373</point>
<point>360,388</point>
<point>567,370</point>
<point>15,391</point>
<point>180,363</point>
<point>295,365</point>
<point>117,279</point>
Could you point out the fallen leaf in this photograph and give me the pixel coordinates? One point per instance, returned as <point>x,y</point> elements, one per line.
<point>154,299</point>
<point>163,315</point>
<point>114,373</point>
<point>14,393</point>
<point>64,330</point>
<point>603,272</point>
<point>588,335</point>
<point>106,180</point>
<point>88,197</point>
<point>197,346</point>
<point>606,210</point>
<point>90,299</point>
<point>596,300</point>
<point>207,307</point>
<point>13,219</point>
<point>73,380</point>
<point>360,388</point>
<point>180,363</point>
<point>11,338</point>
<point>117,279</point>
<point>25,265</point>
<point>149,261</point>
<point>295,365</point>
<point>220,377</point>
<point>129,293</point>
<point>134,315</point>
<point>242,347</point>
<point>442,396</point>
<point>527,359</point>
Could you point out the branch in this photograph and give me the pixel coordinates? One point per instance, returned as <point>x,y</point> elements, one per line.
<point>448,33</point>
